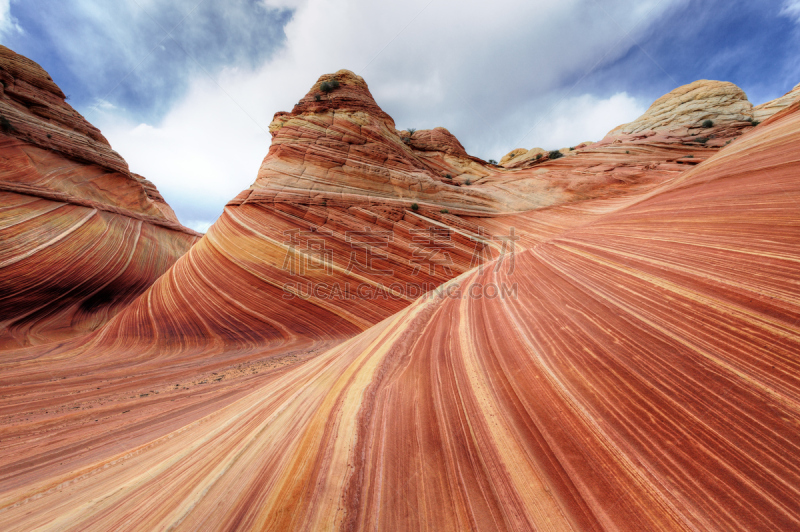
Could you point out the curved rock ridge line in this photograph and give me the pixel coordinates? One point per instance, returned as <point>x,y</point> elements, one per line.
<point>80,235</point>
<point>60,197</point>
<point>768,109</point>
<point>278,272</point>
<point>643,374</point>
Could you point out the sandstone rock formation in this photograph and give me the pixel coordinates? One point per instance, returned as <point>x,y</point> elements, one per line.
<point>766,110</point>
<point>520,155</point>
<point>690,105</point>
<point>634,367</point>
<point>80,235</point>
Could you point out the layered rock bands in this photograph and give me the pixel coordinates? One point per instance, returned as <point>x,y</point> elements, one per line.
<point>384,332</point>
<point>80,235</point>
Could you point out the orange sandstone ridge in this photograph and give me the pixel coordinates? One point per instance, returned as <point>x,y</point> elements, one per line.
<point>635,367</point>
<point>80,235</point>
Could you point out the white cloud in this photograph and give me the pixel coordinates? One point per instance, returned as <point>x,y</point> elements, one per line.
<point>583,118</point>
<point>486,71</point>
<point>202,154</point>
<point>791,8</point>
<point>8,24</point>
<point>105,105</point>
<point>146,130</point>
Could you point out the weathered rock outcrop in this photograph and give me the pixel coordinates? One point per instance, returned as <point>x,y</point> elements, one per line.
<point>80,236</point>
<point>690,105</point>
<point>520,155</point>
<point>339,144</point>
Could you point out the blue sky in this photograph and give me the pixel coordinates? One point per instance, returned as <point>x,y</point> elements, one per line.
<point>747,43</point>
<point>185,89</point>
<point>121,50</point>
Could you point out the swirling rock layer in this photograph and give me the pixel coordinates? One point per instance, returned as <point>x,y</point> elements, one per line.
<point>80,236</point>
<point>634,368</point>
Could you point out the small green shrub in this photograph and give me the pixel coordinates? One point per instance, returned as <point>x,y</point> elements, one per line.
<point>627,151</point>
<point>690,156</point>
<point>411,131</point>
<point>5,125</point>
<point>572,148</point>
<point>467,182</point>
<point>538,156</point>
<point>755,122</point>
<point>414,207</point>
<point>49,136</point>
<point>701,140</point>
<point>317,97</point>
<point>492,161</point>
<point>444,211</point>
<point>448,176</point>
<point>512,155</point>
<point>328,86</point>
<point>708,123</point>
<point>555,154</point>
